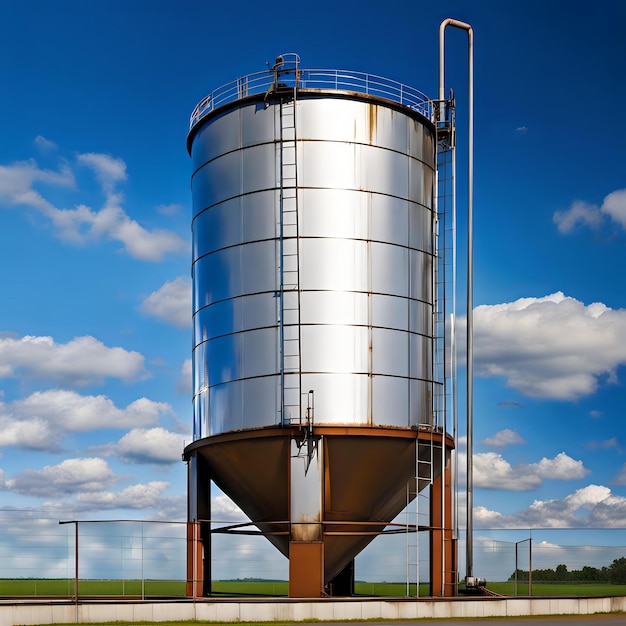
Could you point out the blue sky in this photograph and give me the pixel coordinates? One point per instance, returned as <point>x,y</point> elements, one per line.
<point>95,335</point>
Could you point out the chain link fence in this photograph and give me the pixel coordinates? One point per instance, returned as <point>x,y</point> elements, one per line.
<point>43,557</point>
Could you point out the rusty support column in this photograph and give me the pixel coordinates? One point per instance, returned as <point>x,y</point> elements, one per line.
<point>306,569</point>
<point>198,528</point>
<point>306,545</point>
<point>443,565</point>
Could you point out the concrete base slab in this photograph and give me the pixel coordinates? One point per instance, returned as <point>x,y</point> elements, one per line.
<point>30,612</point>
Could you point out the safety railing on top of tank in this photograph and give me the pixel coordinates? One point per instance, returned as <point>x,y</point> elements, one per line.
<point>340,80</point>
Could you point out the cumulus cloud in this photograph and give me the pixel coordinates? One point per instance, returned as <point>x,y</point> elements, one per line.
<point>224,510</point>
<point>68,477</point>
<point>551,347</point>
<point>503,438</point>
<point>82,361</point>
<point>149,446</point>
<point>19,184</point>
<point>41,420</point>
<point>492,471</point>
<point>113,223</point>
<point>593,506</point>
<point>171,302</point>
<point>591,215</point>
<point>142,496</point>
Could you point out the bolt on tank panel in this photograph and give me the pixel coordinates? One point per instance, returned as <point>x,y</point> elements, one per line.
<point>365,174</point>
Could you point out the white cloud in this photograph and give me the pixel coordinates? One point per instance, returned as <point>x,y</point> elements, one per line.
<point>614,205</point>
<point>41,420</point>
<point>68,477</point>
<point>593,506</point>
<point>224,510</point>
<point>81,361</point>
<point>113,223</point>
<point>591,215</point>
<point>503,438</point>
<point>561,467</point>
<point>142,496</point>
<point>17,184</point>
<point>109,170</point>
<point>492,471</point>
<point>550,347</point>
<point>45,144</point>
<point>82,224</point>
<point>152,446</point>
<point>31,434</point>
<point>581,213</point>
<point>171,302</point>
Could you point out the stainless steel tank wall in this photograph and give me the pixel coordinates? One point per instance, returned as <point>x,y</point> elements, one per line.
<point>365,172</point>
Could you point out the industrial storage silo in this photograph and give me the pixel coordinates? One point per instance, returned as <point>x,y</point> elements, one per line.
<point>313,301</point>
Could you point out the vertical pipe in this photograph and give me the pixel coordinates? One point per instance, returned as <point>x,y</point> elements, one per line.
<point>516,566</point>
<point>143,584</point>
<point>530,566</point>
<point>453,373</point>
<point>76,566</point>
<point>470,269</point>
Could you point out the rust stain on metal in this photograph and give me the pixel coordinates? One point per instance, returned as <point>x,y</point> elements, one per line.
<point>372,118</point>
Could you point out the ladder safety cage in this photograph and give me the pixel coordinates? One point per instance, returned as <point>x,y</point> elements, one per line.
<point>291,401</point>
<point>444,349</point>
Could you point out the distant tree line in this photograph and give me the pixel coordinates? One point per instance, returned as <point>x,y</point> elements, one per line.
<point>614,573</point>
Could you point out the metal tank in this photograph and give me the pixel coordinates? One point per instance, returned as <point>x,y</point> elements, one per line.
<point>313,305</point>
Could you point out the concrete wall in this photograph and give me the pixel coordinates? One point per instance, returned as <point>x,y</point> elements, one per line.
<point>31,612</point>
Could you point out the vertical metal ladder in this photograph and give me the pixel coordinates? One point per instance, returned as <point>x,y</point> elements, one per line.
<point>417,516</point>
<point>443,400</point>
<point>290,339</point>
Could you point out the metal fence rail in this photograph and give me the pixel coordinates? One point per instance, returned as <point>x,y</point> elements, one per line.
<point>323,79</point>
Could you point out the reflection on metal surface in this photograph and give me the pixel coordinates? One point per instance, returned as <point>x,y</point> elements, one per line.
<point>355,486</point>
<point>313,269</point>
<point>362,244</point>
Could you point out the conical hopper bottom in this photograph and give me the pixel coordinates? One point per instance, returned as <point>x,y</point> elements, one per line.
<point>253,472</point>
<point>368,478</point>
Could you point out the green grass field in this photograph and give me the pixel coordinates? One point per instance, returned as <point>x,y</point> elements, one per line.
<point>21,587</point>
<point>558,589</point>
<point>15,587</point>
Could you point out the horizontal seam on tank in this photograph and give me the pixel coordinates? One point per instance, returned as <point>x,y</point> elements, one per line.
<point>307,187</point>
<point>313,324</point>
<point>304,140</point>
<point>314,372</point>
<point>316,237</point>
<point>274,291</point>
